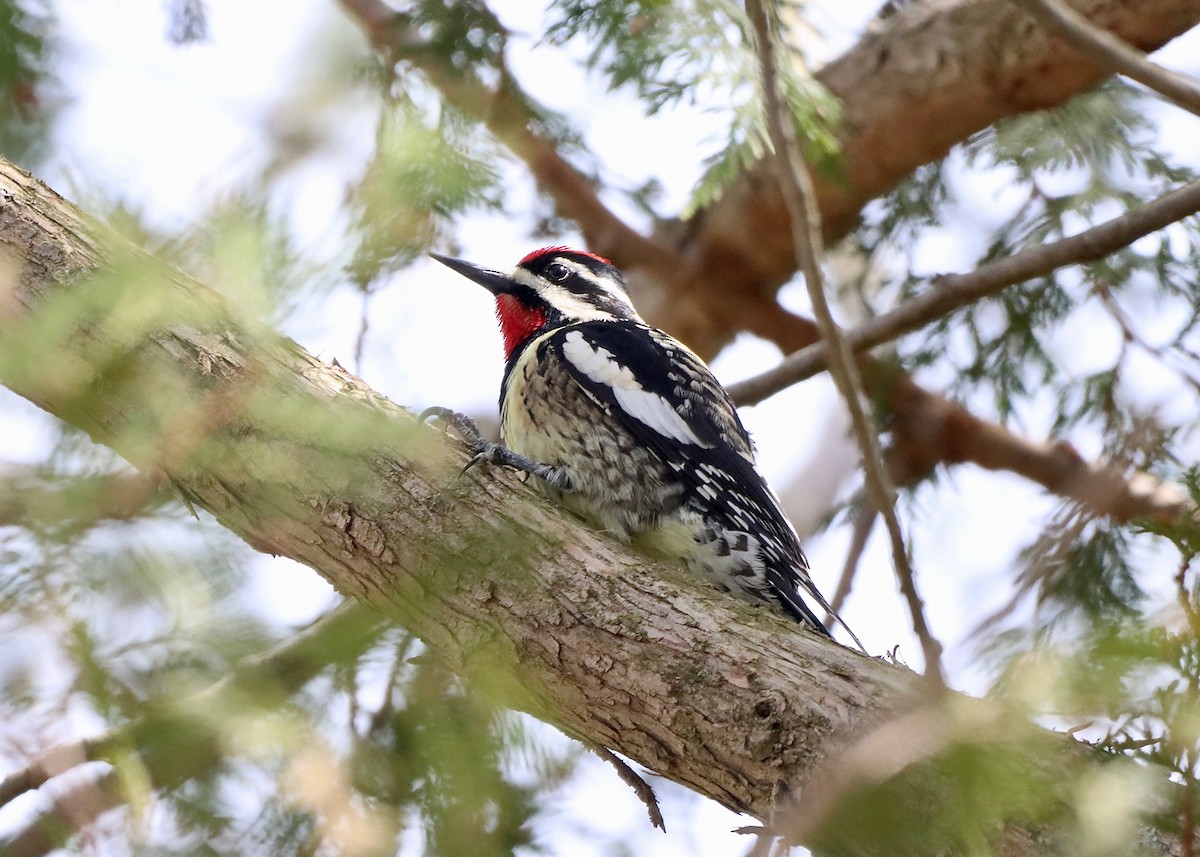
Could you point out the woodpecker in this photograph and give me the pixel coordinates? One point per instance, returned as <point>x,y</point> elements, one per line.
<point>624,425</point>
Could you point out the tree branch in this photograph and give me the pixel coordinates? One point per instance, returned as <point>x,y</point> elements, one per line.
<point>57,760</point>
<point>641,788</point>
<point>912,87</point>
<point>930,430</point>
<point>71,811</point>
<point>1112,53</point>
<point>339,636</point>
<point>864,522</point>
<point>485,572</point>
<point>950,292</point>
<point>29,496</point>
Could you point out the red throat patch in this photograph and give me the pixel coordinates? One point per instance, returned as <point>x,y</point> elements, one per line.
<point>517,322</point>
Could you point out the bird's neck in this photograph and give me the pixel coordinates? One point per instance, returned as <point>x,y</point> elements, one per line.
<point>518,322</point>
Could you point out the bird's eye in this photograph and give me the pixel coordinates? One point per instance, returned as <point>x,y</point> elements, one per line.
<point>557,273</point>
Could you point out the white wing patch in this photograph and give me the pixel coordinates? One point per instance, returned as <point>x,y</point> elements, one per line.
<point>599,365</point>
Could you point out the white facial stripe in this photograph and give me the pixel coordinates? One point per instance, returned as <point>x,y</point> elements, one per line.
<point>649,408</point>
<point>571,305</point>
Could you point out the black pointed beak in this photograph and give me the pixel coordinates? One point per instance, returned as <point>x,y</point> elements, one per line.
<point>493,281</point>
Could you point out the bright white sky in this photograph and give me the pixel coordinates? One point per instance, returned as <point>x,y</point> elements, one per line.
<point>171,129</point>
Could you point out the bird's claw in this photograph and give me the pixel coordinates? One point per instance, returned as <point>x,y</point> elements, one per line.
<point>463,425</point>
<point>436,411</point>
<point>487,453</point>
<point>483,451</point>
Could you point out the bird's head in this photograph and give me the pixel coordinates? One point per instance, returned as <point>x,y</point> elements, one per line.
<point>549,288</point>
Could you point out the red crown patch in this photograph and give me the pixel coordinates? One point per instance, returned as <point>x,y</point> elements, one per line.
<point>560,248</point>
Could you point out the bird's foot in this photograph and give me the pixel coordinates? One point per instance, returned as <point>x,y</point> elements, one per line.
<point>484,451</point>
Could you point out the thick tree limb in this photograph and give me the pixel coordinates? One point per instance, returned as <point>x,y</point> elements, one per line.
<point>1106,49</point>
<point>918,83</point>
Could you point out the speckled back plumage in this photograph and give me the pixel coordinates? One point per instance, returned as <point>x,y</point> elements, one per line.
<point>688,489</point>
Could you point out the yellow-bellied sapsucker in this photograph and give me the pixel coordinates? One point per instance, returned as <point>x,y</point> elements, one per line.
<point>627,427</point>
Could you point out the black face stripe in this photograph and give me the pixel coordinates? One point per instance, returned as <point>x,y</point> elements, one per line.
<point>549,266</point>
<point>557,272</point>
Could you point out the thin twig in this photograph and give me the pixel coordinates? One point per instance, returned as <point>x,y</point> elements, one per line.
<point>863,524</point>
<point>56,761</point>
<point>806,236</point>
<point>1185,597</point>
<point>71,811</point>
<point>929,430</point>
<point>1133,744</point>
<point>1111,52</point>
<point>387,705</point>
<point>1131,336</point>
<point>1187,821</point>
<point>29,496</point>
<point>762,843</point>
<point>364,328</point>
<point>782,847</point>
<point>950,292</point>
<point>640,787</point>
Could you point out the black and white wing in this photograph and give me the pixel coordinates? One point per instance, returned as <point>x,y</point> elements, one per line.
<point>667,399</point>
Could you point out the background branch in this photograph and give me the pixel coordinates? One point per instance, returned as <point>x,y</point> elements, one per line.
<point>917,84</point>
<point>1112,53</point>
<point>950,292</point>
<point>30,496</point>
<point>928,430</point>
<point>864,522</point>
<point>339,636</point>
<point>73,810</point>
